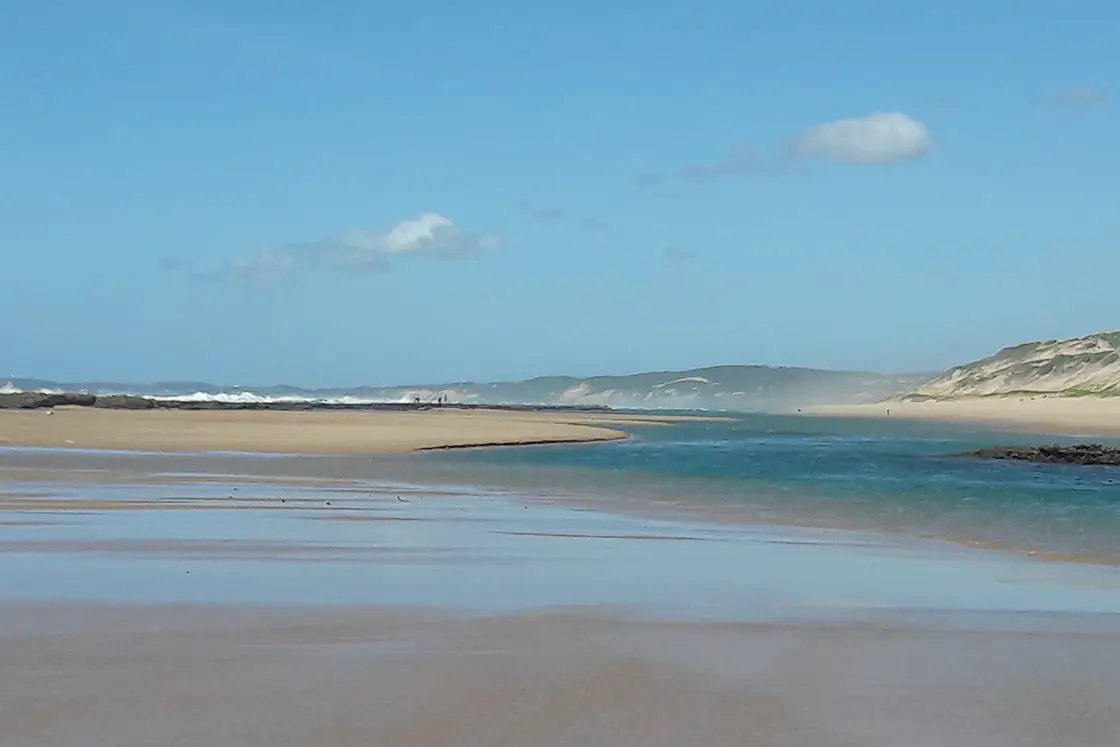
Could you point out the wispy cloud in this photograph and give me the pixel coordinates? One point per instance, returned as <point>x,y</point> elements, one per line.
<point>738,161</point>
<point>676,254</point>
<point>430,235</point>
<point>882,137</point>
<point>1080,97</point>
<point>551,214</point>
<point>173,264</point>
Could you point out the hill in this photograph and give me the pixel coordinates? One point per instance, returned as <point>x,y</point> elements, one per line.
<point>713,388</point>
<point>1081,366</point>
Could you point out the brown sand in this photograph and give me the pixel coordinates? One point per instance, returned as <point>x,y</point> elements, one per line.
<point>303,432</point>
<point>1072,415</point>
<point>127,677</point>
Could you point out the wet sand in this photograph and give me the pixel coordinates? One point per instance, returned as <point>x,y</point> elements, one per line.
<point>132,676</point>
<point>140,608</point>
<point>1082,416</point>
<point>305,432</point>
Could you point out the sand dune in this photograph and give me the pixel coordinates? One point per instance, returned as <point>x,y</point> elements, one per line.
<point>303,432</point>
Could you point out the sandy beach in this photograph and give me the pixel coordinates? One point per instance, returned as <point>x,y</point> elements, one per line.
<point>1083,416</point>
<point>132,676</point>
<point>269,600</point>
<point>190,610</point>
<point>305,432</point>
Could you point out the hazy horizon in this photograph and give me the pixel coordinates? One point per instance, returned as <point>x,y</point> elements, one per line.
<point>406,384</point>
<point>373,384</point>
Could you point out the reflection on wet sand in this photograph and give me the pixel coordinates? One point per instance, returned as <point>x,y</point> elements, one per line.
<point>133,676</point>
<point>184,609</point>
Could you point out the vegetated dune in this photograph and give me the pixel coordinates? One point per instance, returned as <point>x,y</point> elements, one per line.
<point>1082,366</point>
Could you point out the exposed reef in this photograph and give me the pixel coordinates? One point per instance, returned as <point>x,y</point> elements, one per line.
<point>1088,454</point>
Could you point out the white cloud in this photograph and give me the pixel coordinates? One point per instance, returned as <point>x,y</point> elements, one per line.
<point>883,137</point>
<point>430,235</point>
<point>429,232</point>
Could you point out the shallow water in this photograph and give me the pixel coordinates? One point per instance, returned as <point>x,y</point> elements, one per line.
<point>875,475</point>
<point>210,542</point>
<point>851,636</point>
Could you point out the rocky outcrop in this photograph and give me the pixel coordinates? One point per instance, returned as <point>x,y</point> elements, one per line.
<point>45,400</point>
<point>123,402</point>
<point>1089,454</point>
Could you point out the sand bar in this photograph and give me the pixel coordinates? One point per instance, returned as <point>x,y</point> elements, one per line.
<point>1067,415</point>
<point>305,432</point>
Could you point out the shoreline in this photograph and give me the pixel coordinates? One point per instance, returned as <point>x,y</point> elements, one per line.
<point>365,432</point>
<point>1039,414</point>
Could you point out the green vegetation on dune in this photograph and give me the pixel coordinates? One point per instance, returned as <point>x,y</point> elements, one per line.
<point>1111,337</point>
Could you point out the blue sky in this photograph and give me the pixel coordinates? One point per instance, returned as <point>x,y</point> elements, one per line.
<point>344,192</point>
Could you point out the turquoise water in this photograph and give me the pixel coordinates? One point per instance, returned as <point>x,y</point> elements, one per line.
<point>877,475</point>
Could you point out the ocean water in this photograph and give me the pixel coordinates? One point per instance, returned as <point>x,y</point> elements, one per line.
<point>884,476</point>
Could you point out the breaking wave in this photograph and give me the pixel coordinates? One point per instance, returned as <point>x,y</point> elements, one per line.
<point>252,398</point>
<point>240,396</point>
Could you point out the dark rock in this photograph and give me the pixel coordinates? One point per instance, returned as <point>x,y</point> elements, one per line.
<point>43,400</point>
<point>19,401</point>
<point>1089,454</point>
<point>124,402</point>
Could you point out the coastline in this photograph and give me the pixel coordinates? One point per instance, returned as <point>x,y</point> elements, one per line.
<point>315,432</point>
<point>1079,416</point>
